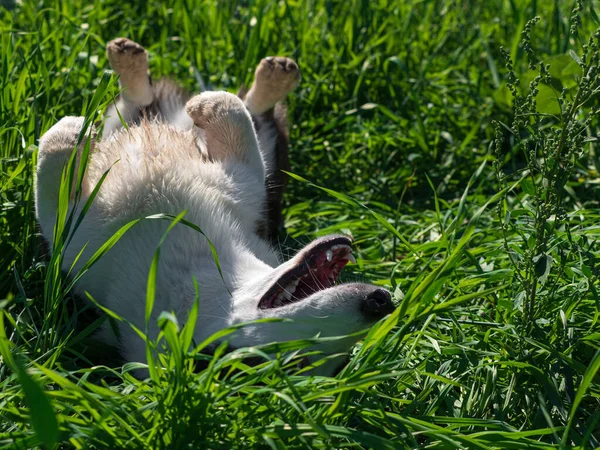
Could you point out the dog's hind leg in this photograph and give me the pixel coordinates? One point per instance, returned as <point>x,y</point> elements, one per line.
<point>56,147</point>
<point>129,60</point>
<point>227,130</point>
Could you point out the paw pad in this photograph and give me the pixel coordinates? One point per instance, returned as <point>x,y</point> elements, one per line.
<point>124,55</point>
<point>278,73</point>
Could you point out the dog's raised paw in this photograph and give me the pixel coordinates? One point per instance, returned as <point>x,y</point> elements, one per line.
<point>126,56</point>
<point>215,106</point>
<point>274,78</point>
<point>277,74</point>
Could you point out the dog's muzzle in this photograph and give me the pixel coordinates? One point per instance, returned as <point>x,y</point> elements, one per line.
<point>377,304</point>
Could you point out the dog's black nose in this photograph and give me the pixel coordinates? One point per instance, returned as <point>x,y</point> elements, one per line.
<point>377,304</point>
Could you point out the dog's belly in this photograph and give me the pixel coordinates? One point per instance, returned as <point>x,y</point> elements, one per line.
<point>119,280</point>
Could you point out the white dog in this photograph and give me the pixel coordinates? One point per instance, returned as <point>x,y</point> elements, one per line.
<point>201,155</point>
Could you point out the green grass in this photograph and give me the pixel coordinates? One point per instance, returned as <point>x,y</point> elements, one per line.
<point>477,207</point>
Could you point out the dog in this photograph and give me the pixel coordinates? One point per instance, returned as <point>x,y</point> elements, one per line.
<point>217,157</point>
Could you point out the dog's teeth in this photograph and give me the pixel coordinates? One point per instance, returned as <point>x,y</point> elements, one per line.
<point>338,246</point>
<point>296,283</point>
<point>291,288</point>
<point>350,257</point>
<point>329,254</point>
<point>287,295</point>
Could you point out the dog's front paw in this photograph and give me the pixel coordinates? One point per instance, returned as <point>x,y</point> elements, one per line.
<point>213,107</point>
<point>126,56</point>
<point>277,75</point>
<point>274,78</point>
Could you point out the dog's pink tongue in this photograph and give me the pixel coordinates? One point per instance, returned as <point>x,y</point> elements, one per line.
<point>326,272</point>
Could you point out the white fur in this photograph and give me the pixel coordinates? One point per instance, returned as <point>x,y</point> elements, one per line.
<point>217,175</point>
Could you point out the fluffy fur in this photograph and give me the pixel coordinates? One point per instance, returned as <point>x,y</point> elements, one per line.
<point>201,155</point>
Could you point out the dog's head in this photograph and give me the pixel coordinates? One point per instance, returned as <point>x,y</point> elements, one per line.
<point>304,290</point>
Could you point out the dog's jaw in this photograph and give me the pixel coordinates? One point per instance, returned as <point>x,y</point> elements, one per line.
<point>315,268</point>
<point>333,311</point>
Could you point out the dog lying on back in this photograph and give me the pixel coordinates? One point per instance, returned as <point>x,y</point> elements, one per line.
<point>217,156</point>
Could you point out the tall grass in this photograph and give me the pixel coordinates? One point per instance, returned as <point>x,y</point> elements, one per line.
<point>455,140</point>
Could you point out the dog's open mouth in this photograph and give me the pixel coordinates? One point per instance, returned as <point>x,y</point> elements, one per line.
<point>318,269</point>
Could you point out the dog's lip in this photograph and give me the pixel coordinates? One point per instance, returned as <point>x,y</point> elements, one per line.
<point>337,251</point>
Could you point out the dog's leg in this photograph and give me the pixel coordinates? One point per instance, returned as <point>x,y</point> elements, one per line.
<point>55,150</point>
<point>227,129</point>
<point>275,77</point>
<point>129,60</point>
<point>273,136</point>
